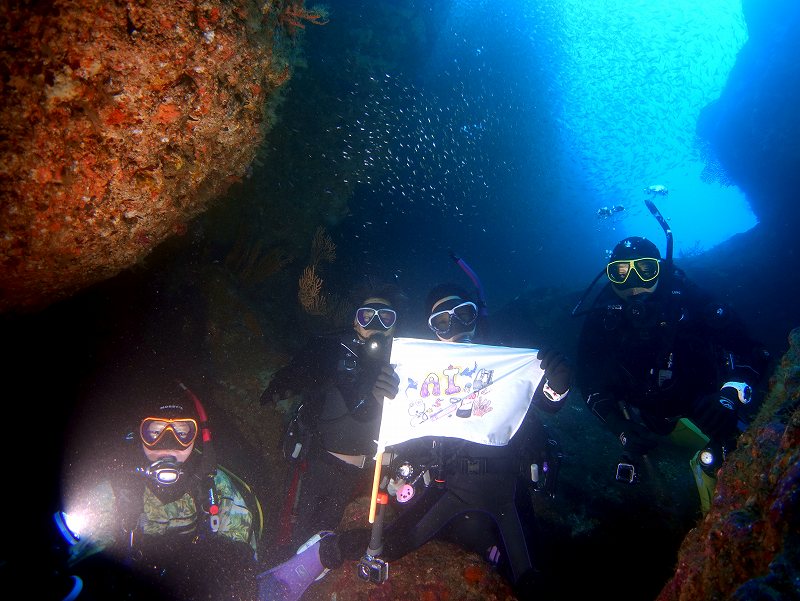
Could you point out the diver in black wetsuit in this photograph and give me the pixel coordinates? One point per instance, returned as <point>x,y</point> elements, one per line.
<point>333,429</point>
<point>481,497</point>
<point>654,348</point>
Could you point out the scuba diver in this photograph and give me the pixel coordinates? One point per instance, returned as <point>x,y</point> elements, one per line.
<point>656,190</point>
<point>658,356</point>
<point>478,496</point>
<point>482,497</point>
<point>167,522</point>
<point>331,435</point>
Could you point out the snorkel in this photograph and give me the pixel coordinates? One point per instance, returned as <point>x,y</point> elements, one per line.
<point>667,232</point>
<point>667,261</point>
<point>482,310</point>
<point>201,413</point>
<point>209,465</point>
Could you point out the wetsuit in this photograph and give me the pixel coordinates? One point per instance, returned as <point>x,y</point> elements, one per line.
<point>664,358</point>
<point>481,496</point>
<point>340,417</point>
<point>158,544</point>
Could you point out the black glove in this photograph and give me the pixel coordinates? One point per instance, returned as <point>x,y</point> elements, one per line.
<point>277,390</point>
<point>387,384</point>
<point>715,414</point>
<point>370,393</point>
<point>557,374</point>
<point>603,405</point>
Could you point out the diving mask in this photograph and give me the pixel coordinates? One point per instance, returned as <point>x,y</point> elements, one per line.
<point>385,316</point>
<point>465,313</point>
<point>153,432</point>
<point>646,268</point>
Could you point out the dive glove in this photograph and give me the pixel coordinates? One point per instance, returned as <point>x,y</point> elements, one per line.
<point>277,390</point>
<point>387,384</point>
<point>637,439</point>
<point>557,374</point>
<point>716,414</point>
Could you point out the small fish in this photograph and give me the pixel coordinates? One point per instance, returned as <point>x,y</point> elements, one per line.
<point>657,190</point>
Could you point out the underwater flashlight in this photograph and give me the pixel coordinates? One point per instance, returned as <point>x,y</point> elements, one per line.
<point>710,460</point>
<point>68,526</point>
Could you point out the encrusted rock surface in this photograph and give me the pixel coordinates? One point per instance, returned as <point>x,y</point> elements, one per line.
<point>748,546</point>
<point>120,121</point>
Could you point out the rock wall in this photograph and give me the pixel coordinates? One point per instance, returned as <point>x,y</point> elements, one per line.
<point>753,127</point>
<point>119,122</point>
<point>748,546</point>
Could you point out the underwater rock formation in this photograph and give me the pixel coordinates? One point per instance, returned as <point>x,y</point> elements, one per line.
<point>119,123</point>
<point>753,126</point>
<point>748,546</point>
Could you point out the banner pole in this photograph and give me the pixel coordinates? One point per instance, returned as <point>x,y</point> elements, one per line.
<point>373,501</point>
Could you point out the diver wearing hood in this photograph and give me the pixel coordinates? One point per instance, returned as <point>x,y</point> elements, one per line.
<point>168,436</point>
<point>453,315</point>
<point>656,350</point>
<point>168,512</point>
<point>482,497</point>
<point>338,399</point>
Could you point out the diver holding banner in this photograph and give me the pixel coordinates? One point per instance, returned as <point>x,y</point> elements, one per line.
<point>476,450</point>
<point>471,452</point>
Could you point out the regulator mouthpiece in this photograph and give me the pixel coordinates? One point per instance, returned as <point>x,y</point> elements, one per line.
<point>165,471</point>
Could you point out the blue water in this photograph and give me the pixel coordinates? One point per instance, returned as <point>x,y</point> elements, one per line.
<point>522,122</point>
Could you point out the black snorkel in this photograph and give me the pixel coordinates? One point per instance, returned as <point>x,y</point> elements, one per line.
<point>667,270</point>
<point>667,232</point>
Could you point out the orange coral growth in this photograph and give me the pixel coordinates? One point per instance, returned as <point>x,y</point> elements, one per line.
<point>167,113</point>
<point>93,106</point>
<point>474,574</point>
<point>294,16</point>
<point>115,117</point>
<point>309,292</point>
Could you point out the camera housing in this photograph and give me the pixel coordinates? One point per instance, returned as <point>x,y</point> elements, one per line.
<point>373,354</point>
<point>376,350</point>
<point>373,569</point>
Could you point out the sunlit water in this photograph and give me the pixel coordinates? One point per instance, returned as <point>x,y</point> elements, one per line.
<point>528,120</point>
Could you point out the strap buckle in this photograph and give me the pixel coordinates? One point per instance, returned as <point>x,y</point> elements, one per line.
<point>473,466</point>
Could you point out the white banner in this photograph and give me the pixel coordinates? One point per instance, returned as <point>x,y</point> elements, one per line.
<point>474,392</point>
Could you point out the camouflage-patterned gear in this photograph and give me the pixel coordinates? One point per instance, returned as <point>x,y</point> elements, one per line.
<point>157,519</point>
